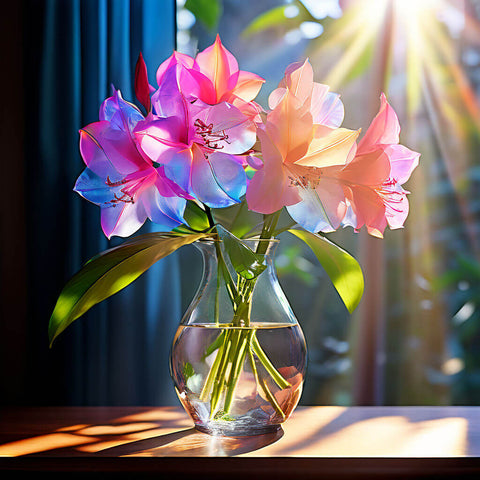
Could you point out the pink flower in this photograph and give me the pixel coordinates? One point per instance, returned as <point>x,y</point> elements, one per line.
<point>373,180</point>
<point>325,107</point>
<point>214,77</point>
<point>315,169</point>
<point>368,189</point>
<point>120,178</point>
<point>196,143</point>
<point>295,151</point>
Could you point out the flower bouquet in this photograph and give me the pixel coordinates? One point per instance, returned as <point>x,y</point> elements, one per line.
<point>212,168</point>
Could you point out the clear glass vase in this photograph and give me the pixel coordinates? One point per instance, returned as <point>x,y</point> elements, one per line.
<point>238,360</point>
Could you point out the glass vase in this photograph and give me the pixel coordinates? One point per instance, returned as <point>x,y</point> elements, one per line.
<point>238,359</point>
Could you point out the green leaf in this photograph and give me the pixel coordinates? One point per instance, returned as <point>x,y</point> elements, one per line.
<point>467,269</point>
<point>275,18</point>
<point>271,18</point>
<point>284,223</point>
<point>110,272</point>
<point>245,262</point>
<point>196,217</point>
<point>238,219</point>
<point>206,11</point>
<point>341,267</point>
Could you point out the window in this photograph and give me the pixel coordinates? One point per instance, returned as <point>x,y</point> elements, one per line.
<point>415,337</point>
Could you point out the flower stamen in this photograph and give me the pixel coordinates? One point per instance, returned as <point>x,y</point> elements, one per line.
<point>211,139</point>
<point>310,178</point>
<point>126,197</point>
<point>123,181</point>
<point>391,196</point>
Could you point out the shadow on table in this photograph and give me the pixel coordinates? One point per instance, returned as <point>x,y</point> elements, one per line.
<point>191,442</point>
<point>149,432</point>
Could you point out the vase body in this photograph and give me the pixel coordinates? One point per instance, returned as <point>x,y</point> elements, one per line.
<point>238,365</point>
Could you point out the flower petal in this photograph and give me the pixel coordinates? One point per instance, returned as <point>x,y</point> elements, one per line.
<point>396,206</point>
<point>122,219</point>
<point>175,59</point>
<point>157,135</point>
<point>299,81</point>
<point>218,64</point>
<point>329,147</point>
<point>219,180</point>
<point>177,164</point>
<point>231,131</point>
<point>369,169</point>
<point>383,130</point>
<point>403,161</point>
<point>168,100</point>
<point>369,209</point>
<point>251,110</point>
<point>290,127</point>
<point>104,149</point>
<point>93,188</point>
<point>327,108</point>
<point>159,139</point>
<point>322,209</point>
<point>248,85</point>
<point>121,114</point>
<point>167,187</point>
<point>167,212</point>
<point>276,97</point>
<point>270,189</point>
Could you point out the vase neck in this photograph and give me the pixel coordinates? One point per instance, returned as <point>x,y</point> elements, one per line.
<point>210,251</point>
<point>242,295</point>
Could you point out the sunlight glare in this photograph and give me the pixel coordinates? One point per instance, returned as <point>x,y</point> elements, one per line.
<point>405,9</point>
<point>408,8</point>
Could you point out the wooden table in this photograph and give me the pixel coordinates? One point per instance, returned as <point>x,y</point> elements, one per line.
<point>316,442</point>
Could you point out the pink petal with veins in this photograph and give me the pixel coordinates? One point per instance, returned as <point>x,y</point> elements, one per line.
<point>403,162</point>
<point>289,126</point>
<point>248,85</point>
<point>218,64</point>
<point>175,59</point>
<point>270,188</point>
<point>383,130</point>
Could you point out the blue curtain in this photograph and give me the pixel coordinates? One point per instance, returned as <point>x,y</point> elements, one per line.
<point>117,354</point>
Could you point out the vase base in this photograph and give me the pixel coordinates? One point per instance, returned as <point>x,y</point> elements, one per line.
<point>227,429</point>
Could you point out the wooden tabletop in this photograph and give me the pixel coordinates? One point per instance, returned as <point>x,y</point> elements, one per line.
<point>316,442</point>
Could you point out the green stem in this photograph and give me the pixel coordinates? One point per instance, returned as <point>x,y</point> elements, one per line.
<point>243,345</point>
<point>223,269</point>
<point>269,223</point>
<point>213,370</point>
<point>263,385</point>
<point>235,345</point>
<point>219,380</point>
<point>265,361</point>
<point>215,345</point>
<point>217,297</point>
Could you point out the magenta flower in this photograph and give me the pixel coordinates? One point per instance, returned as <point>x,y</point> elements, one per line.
<point>120,178</point>
<point>214,77</point>
<point>196,143</point>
